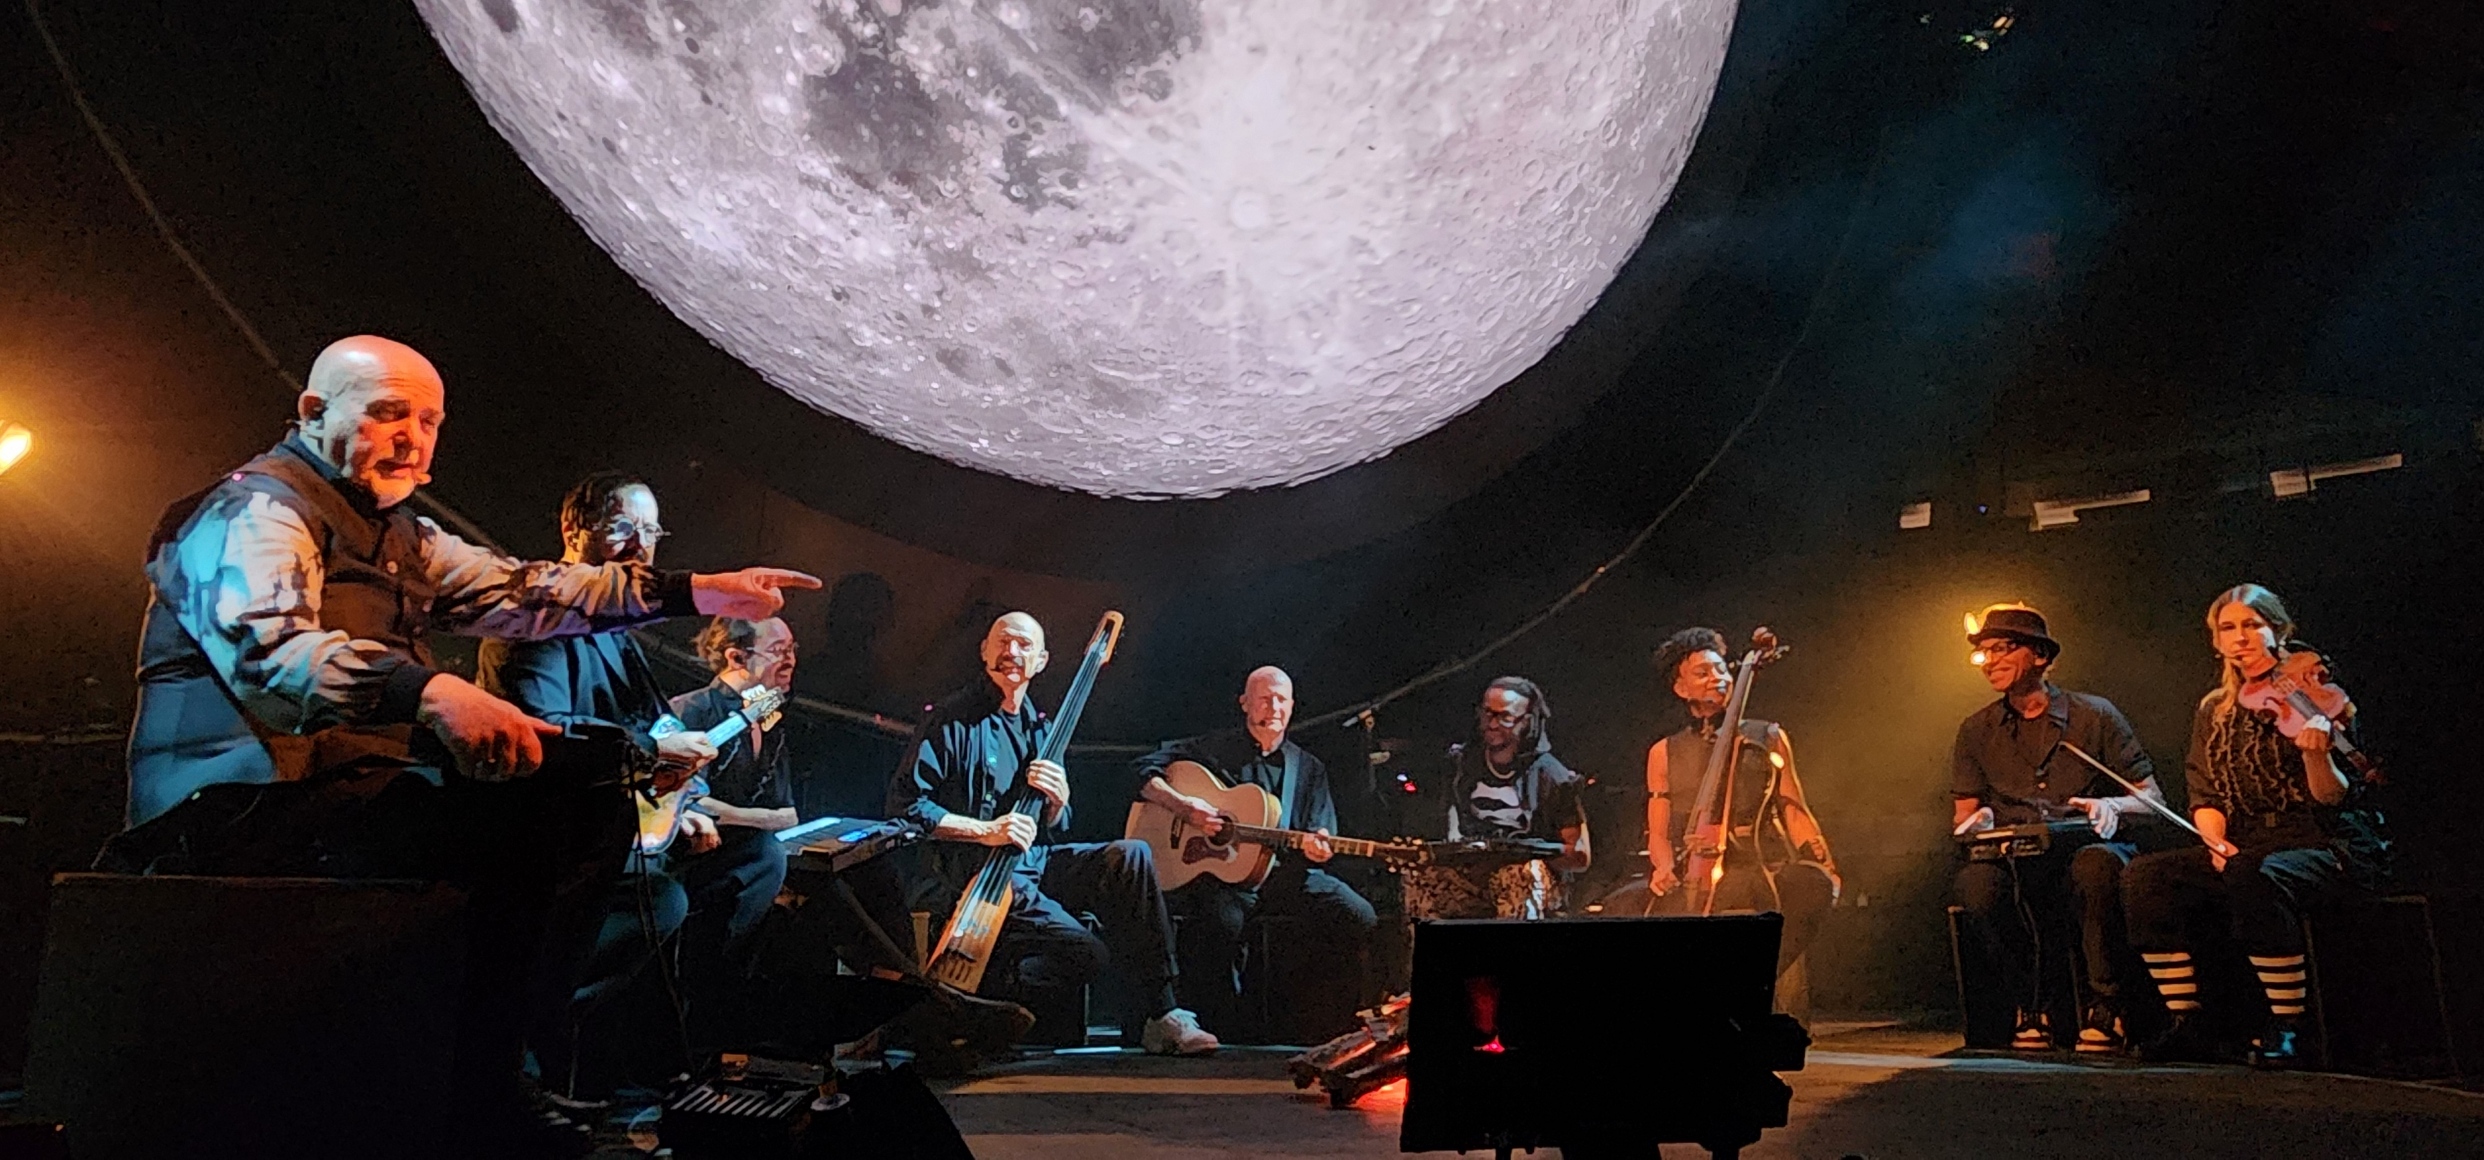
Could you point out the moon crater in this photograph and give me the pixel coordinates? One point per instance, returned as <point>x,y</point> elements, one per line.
<point>1138,248</point>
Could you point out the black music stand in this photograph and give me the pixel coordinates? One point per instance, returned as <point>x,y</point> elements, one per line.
<point>1602,1037</point>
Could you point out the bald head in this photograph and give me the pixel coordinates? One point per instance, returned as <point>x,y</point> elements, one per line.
<point>1013,653</point>
<point>372,408</point>
<point>1268,705</point>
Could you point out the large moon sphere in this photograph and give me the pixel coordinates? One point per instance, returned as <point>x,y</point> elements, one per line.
<point>1143,248</point>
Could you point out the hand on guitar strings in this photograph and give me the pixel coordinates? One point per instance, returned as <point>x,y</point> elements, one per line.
<point>491,739</point>
<point>678,755</point>
<point>700,832</point>
<point>1051,781</point>
<point>1010,829</point>
<point>1200,815</point>
<point>750,594</point>
<point>1315,846</point>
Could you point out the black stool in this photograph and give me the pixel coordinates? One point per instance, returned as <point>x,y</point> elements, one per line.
<point>2379,1005</point>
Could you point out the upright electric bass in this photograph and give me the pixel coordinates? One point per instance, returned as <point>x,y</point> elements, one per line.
<point>1709,837</point>
<point>965,948</point>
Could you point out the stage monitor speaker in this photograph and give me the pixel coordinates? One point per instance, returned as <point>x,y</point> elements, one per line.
<point>260,1017</point>
<point>1600,1036</point>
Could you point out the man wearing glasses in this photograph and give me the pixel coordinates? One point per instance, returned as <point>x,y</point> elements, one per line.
<point>2011,767</point>
<point>1506,783</point>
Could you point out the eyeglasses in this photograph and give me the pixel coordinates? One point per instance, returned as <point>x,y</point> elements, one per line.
<point>620,530</point>
<point>1495,717</point>
<point>779,652</point>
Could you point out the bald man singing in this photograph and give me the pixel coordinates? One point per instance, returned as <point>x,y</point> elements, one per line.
<point>1214,912</point>
<point>973,759</point>
<point>291,722</point>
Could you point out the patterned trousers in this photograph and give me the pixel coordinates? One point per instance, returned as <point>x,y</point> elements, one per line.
<point>1519,890</point>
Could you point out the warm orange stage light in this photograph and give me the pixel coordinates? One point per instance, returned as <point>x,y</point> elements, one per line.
<point>15,442</point>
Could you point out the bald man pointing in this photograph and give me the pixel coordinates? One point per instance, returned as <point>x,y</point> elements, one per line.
<point>1214,912</point>
<point>291,722</point>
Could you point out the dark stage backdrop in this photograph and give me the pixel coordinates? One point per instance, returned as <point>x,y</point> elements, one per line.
<point>2133,245</point>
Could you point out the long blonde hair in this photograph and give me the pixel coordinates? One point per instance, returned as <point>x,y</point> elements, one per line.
<point>2271,609</point>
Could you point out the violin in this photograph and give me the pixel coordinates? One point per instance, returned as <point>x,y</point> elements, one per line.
<point>2296,690</point>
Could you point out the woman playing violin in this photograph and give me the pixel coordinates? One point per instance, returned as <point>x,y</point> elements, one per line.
<point>2282,824</point>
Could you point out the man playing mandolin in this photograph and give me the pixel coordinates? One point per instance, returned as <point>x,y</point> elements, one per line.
<point>971,761</point>
<point>1213,911</point>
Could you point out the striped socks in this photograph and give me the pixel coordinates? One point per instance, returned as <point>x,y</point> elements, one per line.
<point>2285,980</point>
<point>2178,981</point>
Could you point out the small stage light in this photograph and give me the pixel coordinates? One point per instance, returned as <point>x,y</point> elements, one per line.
<point>2054,513</point>
<point>15,441</point>
<point>1915,515</point>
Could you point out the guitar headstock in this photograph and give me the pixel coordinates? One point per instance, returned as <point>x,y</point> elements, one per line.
<point>762,704</point>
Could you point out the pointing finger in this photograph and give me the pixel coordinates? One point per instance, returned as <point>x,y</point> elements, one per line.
<point>787,578</point>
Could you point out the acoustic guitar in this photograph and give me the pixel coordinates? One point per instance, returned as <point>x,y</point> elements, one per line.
<point>659,817</point>
<point>1244,851</point>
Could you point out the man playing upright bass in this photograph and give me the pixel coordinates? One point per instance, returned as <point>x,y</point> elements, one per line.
<point>968,764</point>
<point>1214,912</point>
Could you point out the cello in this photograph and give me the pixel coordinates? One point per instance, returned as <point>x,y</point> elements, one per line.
<point>965,948</point>
<point>1708,840</point>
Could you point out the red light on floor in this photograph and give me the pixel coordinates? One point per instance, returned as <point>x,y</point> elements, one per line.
<point>1492,1048</point>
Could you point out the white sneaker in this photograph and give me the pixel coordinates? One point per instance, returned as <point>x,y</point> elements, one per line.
<point>1176,1032</point>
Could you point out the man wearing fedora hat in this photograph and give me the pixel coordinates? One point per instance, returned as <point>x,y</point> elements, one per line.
<point>2011,767</point>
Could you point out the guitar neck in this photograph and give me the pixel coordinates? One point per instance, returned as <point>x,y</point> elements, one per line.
<point>1292,840</point>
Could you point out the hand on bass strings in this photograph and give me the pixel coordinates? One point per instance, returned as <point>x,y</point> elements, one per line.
<point>700,832</point>
<point>750,594</point>
<point>1010,829</point>
<point>1975,823</point>
<point>2104,815</point>
<point>1051,781</point>
<point>491,739</point>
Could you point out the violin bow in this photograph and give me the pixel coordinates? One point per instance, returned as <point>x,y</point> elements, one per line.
<point>2135,791</point>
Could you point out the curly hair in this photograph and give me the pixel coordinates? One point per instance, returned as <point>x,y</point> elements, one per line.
<point>1681,646</point>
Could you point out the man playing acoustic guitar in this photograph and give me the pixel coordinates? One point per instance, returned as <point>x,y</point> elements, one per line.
<point>1214,911</point>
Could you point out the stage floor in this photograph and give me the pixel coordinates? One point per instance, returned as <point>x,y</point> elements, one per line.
<point>1870,1090</point>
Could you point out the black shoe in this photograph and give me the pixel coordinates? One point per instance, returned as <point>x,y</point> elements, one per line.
<point>2034,1033</point>
<point>2187,1040</point>
<point>2101,1031</point>
<point>2280,1047</point>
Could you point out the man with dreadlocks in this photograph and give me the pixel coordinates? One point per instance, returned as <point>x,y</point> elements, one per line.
<point>1506,783</point>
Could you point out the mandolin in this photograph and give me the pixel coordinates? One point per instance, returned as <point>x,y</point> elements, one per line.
<point>1244,850</point>
<point>1705,842</point>
<point>659,817</point>
<point>965,948</point>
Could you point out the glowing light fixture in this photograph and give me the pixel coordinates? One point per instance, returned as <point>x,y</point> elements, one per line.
<point>15,441</point>
<point>2054,513</point>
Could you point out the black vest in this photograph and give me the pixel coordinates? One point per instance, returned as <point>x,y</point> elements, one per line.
<point>1687,753</point>
<point>190,730</point>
